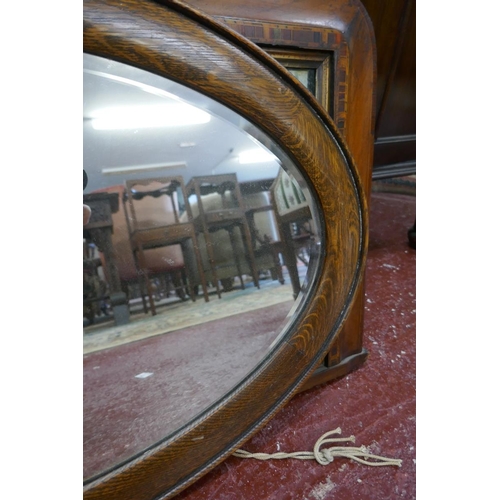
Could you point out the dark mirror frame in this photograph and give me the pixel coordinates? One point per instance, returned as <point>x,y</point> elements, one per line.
<point>180,43</point>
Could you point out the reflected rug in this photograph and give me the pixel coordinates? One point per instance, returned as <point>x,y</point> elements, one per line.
<point>137,393</point>
<point>185,314</point>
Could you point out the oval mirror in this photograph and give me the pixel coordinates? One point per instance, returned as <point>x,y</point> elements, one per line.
<point>172,324</point>
<point>226,240</point>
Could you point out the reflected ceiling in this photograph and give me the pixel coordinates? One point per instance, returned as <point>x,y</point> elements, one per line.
<point>208,148</point>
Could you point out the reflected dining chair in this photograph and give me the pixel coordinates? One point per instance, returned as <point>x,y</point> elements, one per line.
<point>153,219</point>
<point>218,209</point>
<point>295,224</point>
<point>161,262</point>
<point>263,228</point>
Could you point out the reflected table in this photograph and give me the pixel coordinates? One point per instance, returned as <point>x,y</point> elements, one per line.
<point>99,231</point>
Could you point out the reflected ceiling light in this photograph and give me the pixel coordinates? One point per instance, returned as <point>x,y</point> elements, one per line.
<point>141,168</point>
<point>162,115</point>
<point>255,156</point>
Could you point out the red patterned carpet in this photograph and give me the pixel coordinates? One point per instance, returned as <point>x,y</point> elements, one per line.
<point>376,403</point>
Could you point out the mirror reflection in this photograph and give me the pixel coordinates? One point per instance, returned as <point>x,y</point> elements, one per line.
<point>200,244</point>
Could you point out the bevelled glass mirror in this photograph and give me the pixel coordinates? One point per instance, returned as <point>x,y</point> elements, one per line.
<point>226,241</point>
<point>173,321</point>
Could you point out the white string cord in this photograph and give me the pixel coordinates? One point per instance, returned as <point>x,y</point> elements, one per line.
<point>326,456</point>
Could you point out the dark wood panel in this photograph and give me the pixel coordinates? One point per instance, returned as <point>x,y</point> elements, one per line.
<point>398,152</point>
<point>394,23</point>
<point>398,115</point>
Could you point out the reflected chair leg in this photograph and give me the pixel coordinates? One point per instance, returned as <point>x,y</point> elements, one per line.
<point>140,282</point>
<point>146,284</point>
<point>213,263</point>
<point>246,236</point>
<point>199,264</point>
<point>230,231</point>
<point>141,290</point>
<point>189,270</point>
<point>144,272</point>
<point>290,259</point>
<point>277,265</point>
<point>272,248</point>
<point>143,297</point>
<point>178,282</point>
<point>185,284</point>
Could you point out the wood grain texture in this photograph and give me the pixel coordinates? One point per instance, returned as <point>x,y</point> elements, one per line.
<point>181,44</point>
<point>344,30</point>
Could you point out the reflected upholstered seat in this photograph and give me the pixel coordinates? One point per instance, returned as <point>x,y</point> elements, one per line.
<point>161,262</point>
<point>153,220</point>
<point>219,216</point>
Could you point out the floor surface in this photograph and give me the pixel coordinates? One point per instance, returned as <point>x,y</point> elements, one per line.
<point>376,403</point>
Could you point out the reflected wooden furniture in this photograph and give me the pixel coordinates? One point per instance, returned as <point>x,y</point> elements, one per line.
<point>294,222</point>
<point>218,206</point>
<point>162,263</point>
<point>99,230</point>
<point>263,226</point>
<point>266,238</point>
<point>156,224</point>
<point>94,287</point>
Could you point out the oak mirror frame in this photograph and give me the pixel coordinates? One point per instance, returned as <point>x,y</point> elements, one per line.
<point>173,40</point>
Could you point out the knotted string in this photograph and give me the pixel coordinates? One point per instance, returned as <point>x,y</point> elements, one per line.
<point>327,455</point>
